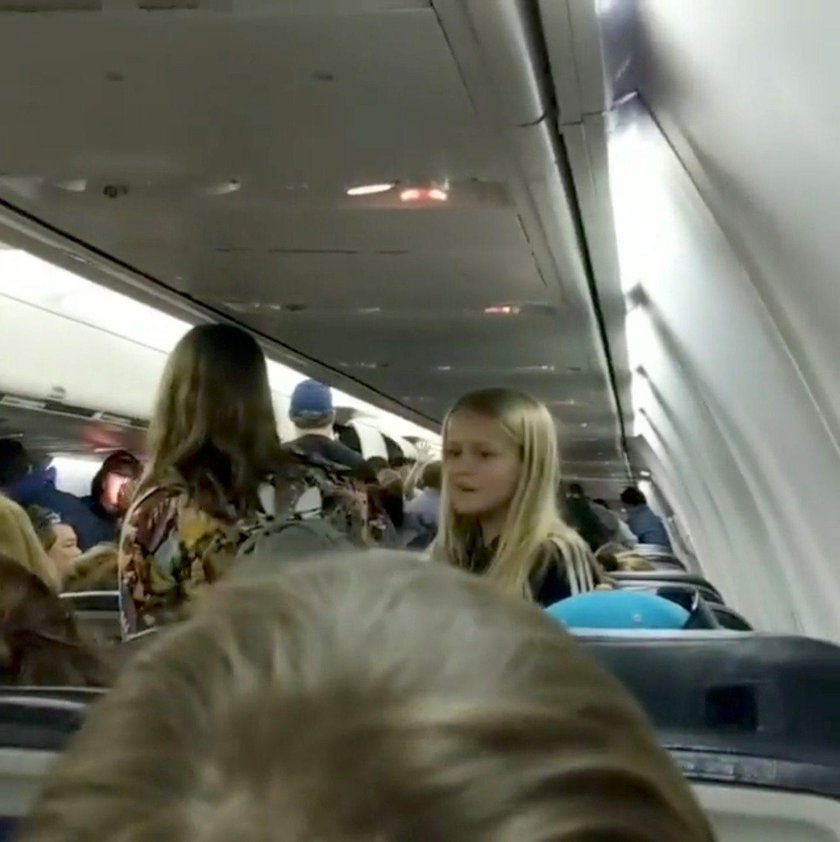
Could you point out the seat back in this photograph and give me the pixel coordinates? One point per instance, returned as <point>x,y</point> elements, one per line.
<point>665,577</point>
<point>662,558</point>
<point>35,724</point>
<point>98,612</point>
<point>687,596</point>
<point>728,618</point>
<point>737,708</point>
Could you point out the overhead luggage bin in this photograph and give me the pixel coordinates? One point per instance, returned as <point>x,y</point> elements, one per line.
<point>737,709</point>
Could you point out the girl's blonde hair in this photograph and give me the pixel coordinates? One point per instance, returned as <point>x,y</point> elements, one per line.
<point>19,541</point>
<point>369,697</point>
<point>533,521</point>
<point>214,424</point>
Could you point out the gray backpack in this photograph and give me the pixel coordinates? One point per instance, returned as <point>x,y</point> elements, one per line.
<point>296,527</point>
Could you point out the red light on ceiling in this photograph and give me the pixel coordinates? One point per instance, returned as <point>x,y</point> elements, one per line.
<point>424,194</point>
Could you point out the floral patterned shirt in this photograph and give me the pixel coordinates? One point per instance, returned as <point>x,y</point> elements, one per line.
<point>169,549</point>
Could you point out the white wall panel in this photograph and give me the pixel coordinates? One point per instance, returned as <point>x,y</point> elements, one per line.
<point>750,465</point>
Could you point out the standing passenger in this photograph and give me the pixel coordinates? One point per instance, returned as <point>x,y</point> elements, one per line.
<point>212,443</point>
<point>423,512</point>
<point>311,411</point>
<point>499,512</point>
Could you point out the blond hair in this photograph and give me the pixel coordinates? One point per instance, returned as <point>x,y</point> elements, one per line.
<point>214,424</point>
<point>19,541</point>
<point>369,697</point>
<point>95,570</point>
<point>533,521</point>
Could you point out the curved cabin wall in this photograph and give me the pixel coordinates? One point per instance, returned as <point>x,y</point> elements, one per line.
<point>743,449</point>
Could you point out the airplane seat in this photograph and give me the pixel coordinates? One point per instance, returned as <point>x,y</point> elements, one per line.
<point>660,557</point>
<point>688,597</point>
<point>35,725</point>
<point>660,578</point>
<point>728,618</point>
<point>749,718</point>
<point>98,613</point>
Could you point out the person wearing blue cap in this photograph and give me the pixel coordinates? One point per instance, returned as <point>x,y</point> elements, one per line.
<point>618,609</point>
<point>311,411</point>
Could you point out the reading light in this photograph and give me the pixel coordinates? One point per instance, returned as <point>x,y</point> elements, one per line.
<point>370,189</point>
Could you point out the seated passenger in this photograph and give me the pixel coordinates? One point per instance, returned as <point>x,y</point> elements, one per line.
<point>499,513</point>
<point>580,516</point>
<point>19,541</point>
<point>58,540</point>
<point>108,501</point>
<point>615,558</point>
<point>95,570</point>
<point>423,511</point>
<point>365,699</point>
<point>311,411</point>
<point>31,486</point>
<point>40,644</point>
<point>617,530</point>
<point>213,448</point>
<point>646,525</point>
<point>619,610</point>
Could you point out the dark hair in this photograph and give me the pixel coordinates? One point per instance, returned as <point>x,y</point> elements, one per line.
<point>432,476</point>
<point>43,520</point>
<point>214,422</point>
<point>576,488</point>
<point>40,643</point>
<point>585,522</point>
<point>633,497</point>
<point>376,464</point>
<point>120,462</point>
<point>14,461</point>
<point>401,462</point>
<point>393,500</point>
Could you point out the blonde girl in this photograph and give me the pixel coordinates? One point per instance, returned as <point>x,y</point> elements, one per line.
<point>499,514</point>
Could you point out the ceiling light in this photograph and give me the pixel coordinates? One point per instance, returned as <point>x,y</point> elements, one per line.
<point>412,194</point>
<point>370,189</point>
<point>424,194</point>
<point>501,310</point>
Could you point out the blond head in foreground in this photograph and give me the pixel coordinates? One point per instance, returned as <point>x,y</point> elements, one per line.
<point>365,698</point>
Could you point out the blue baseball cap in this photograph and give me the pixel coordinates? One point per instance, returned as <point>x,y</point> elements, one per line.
<point>618,610</point>
<point>311,399</point>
